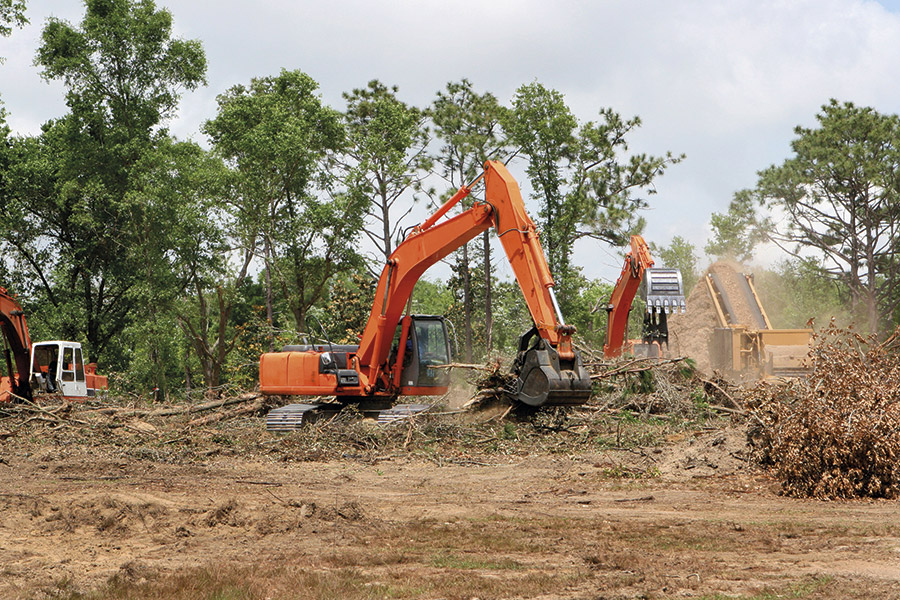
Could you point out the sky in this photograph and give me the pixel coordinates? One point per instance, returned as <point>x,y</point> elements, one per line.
<point>725,83</point>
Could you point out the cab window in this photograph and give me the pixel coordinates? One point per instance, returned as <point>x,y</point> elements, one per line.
<point>68,373</point>
<point>432,341</point>
<point>79,365</point>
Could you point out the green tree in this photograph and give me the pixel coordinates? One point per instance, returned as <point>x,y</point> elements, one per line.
<point>679,254</point>
<point>585,183</point>
<point>588,312</point>
<point>431,298</point>
<point>468,124</point>
<point>737,232</point>
<point>276,135</point>
<point>345,311</point>
<point>839,193</point>
<point>74,214</point>
<point>186,187</point>
<point>385,157</point>
<point>795,292</point>
<point>511,317</point>
<point>12,14</point>
<point>123,71</point>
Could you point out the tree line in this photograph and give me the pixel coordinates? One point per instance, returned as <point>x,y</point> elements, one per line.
<point>176,265</point>
<point>833,207</point>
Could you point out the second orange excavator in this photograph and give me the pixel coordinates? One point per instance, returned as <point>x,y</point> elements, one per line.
<point>663,292</point>
<point>401,355</point>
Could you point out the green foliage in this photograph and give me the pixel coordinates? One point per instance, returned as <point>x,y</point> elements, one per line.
<point>468,124</point>
<point>798,290</point>
<point>466,310</point>
<point>346,310</point>
<point>77,213</point>
<point>580,174</point>
<point>737,232</point>
<point>180,236</point>
<point>587,311</point>
<point>511,317</point>
<point>277,134</point>
<point>12,14</point>
<point>679,254</point>
<point>385,157</point>
<point>122,68</point>
<point>431,298</point>
<point>544,128</point>
<point>839,192</point>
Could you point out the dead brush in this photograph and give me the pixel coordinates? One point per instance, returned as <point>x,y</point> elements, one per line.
<point>835,434</point>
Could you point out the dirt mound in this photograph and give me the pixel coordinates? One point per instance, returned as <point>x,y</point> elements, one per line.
<point>690,333</point>
<point>116,515</point>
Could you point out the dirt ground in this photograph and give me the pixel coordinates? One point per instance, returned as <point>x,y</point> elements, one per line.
<point>686,518</point>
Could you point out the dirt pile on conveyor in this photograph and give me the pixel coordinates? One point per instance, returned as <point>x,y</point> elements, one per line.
<point>691,332</point>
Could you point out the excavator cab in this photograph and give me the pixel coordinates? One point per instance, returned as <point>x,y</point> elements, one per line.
<point>59,367</point>
<point>426,346</point>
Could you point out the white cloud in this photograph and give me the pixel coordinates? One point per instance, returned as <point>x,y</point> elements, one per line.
<point>725,82</point>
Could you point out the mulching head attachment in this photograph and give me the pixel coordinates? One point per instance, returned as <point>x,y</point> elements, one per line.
<point>545,379</point>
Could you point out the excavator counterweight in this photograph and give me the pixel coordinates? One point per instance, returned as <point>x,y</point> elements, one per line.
<point>400,355</point>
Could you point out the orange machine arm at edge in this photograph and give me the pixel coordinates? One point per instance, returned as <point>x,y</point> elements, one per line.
<point>636,262</point>
<point>429,242</point>
<point>12,321</point>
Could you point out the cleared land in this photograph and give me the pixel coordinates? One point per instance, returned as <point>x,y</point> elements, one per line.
<point>609,506</point>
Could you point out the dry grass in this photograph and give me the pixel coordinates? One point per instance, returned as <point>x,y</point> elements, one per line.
<point>502,557</point>
<point>519,548</point>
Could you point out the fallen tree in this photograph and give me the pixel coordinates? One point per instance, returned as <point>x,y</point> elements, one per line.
<point>836,433</point>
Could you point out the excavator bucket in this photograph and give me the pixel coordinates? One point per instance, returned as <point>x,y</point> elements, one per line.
<point>543,378</point>
<point>663,290</point>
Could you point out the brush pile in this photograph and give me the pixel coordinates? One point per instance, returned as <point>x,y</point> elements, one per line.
<point>835,434</point>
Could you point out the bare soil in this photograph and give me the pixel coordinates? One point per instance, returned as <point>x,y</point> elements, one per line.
<point>685,516</point>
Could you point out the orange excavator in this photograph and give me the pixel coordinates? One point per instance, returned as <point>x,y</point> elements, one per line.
<point>663,292</point>
<point>400,355</point>
<point>44,367</point>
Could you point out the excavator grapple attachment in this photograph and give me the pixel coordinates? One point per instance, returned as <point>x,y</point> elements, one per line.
<point>545,379</point>
<point>663,290</point>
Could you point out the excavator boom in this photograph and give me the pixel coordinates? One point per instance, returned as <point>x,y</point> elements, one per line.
<point>17,349</point>
<point>380,365</point>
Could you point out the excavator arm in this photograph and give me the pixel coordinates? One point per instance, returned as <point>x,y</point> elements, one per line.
<point>17,348</point>
<point>369,370</point>
<point>663,292</point>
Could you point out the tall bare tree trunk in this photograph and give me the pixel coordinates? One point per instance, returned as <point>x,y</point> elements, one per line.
<point>467,302</point>
<point>270,313</point>
<point>488,310</point>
